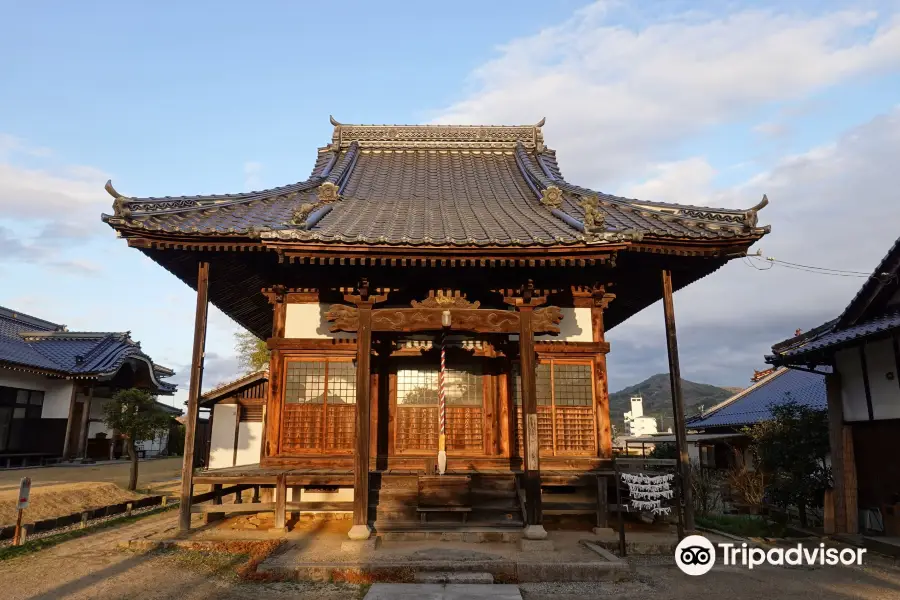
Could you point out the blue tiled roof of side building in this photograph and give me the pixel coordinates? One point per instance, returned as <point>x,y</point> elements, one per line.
<point>753,405</point>
<point>871,327</point>
<point>65,352</point>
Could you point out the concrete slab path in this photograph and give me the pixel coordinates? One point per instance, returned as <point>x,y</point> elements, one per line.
<point>442,591</point>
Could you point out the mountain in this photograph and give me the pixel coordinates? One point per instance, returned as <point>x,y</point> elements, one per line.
<point>657,396</point>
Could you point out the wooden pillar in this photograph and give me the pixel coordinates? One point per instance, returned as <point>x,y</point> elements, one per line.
<point>69,422</point>
<point>360,529</point>
<point>678,405</point>
<point>850,485</point>
<point>190,429</point>
<point>281,502</point>
<point>836,442</point>
<point>533,516</point>
<point>599,300</point>
<point>85,424</point>
<point>272,415</point>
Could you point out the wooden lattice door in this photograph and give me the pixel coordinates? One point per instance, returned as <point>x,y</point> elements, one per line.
<point>417,409</point>
<point>319,413</point>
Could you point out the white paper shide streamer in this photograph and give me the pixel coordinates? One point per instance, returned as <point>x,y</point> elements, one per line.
<point>648,492</point>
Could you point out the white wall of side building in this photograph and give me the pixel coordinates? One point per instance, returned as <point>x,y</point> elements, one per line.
<point>57,392</point>
<point>884,387</point>
<point>222,441</point>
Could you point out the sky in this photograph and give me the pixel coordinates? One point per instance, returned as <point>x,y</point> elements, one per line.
<point>710,103</point>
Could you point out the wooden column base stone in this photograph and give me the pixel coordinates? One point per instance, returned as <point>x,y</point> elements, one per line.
<point>359,533</point>
<point>534,532</point>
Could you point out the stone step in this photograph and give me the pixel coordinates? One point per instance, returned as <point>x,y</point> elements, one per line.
<point>452,577</point>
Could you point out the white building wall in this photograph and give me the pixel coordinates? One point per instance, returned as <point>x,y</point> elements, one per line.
<point>221,445</point>
<point>249,443</point>
<point>884,387</point>
<point>853,391</point>
<point>574,327</point>
<point>57,392</point>
<point>885,391</point>
<point>307,321</point>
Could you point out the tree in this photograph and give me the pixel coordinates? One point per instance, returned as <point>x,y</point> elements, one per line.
<point>252,351</point>
<point>135,414</point>
<point>664,450</point>
<point>790,449</point>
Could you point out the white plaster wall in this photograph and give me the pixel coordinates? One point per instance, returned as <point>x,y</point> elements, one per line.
<point>341,495</point>
<point>885,392</point>
<point>97,415</point>
<point>574,327</point>
<point>307,321</point>
<point>853,392</point>
<point>221,446</point>
<point>57,393</point>
<point>693,449</point>
<point>249,443</point>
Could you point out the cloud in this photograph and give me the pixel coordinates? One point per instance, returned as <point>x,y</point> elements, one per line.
<point>47,210</point>
<point>252,179</point>
<point>833,206</point>
<point>616,96</point>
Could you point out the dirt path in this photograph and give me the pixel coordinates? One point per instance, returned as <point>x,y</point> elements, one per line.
<point>149,472</point>
<point>93,567</point>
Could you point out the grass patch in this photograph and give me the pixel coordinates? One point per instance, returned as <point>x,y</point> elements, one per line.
<point>742,525</point>
<point>208,563</point>
<point>38,544</point>
<point>232,559</point>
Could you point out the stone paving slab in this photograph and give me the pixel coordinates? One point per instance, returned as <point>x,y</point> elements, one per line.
<point>436,591</point>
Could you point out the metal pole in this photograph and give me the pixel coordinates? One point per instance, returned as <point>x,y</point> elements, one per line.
<point>677,402</point>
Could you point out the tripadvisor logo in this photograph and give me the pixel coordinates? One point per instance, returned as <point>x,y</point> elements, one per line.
<point>696,555</point>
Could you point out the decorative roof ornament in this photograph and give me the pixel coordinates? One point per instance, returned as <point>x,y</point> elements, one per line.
<point>120,204</point>
<point>751,217</point>
<point>299,216</point>
<point>552,197</point>
<point>438,136</point>
<point>594,218</point>
<point>327,193</point>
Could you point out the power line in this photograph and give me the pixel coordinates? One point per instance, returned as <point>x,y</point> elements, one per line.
<point>771,262</point>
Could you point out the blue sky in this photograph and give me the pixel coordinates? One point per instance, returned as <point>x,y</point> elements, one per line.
<point>703,103</point>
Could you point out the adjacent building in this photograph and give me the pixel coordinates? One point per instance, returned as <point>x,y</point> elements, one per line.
<point>859,352</point>
<point>638,425</point>
<point>54,384</point>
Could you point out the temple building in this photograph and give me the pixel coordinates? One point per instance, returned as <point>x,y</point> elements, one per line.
<point>436,300</point>
<point>54,384</point>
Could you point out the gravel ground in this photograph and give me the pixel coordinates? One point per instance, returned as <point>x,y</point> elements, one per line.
<point>658,578</point>
<point>92,567</point>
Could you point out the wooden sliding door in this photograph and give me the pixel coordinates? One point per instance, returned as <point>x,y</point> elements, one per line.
<point>566,409</point>
<point>319,414</point>
<point>417,409</point>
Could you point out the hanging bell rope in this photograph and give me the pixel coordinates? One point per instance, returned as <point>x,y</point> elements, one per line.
<point>442,408</point>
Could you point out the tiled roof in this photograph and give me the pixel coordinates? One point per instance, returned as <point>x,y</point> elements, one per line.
<point>838,337</point>
<point>25,344</point>
<point>752,405</point>
<point>865,316</point>
<point>224,389</point>
<point>431,185</point>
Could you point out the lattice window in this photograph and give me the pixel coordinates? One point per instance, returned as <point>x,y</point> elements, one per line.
<point>319,406</point>
<point>417,409</point>
<point>566,418</point>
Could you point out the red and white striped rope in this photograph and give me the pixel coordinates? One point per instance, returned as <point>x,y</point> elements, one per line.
<point>442,410</point>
